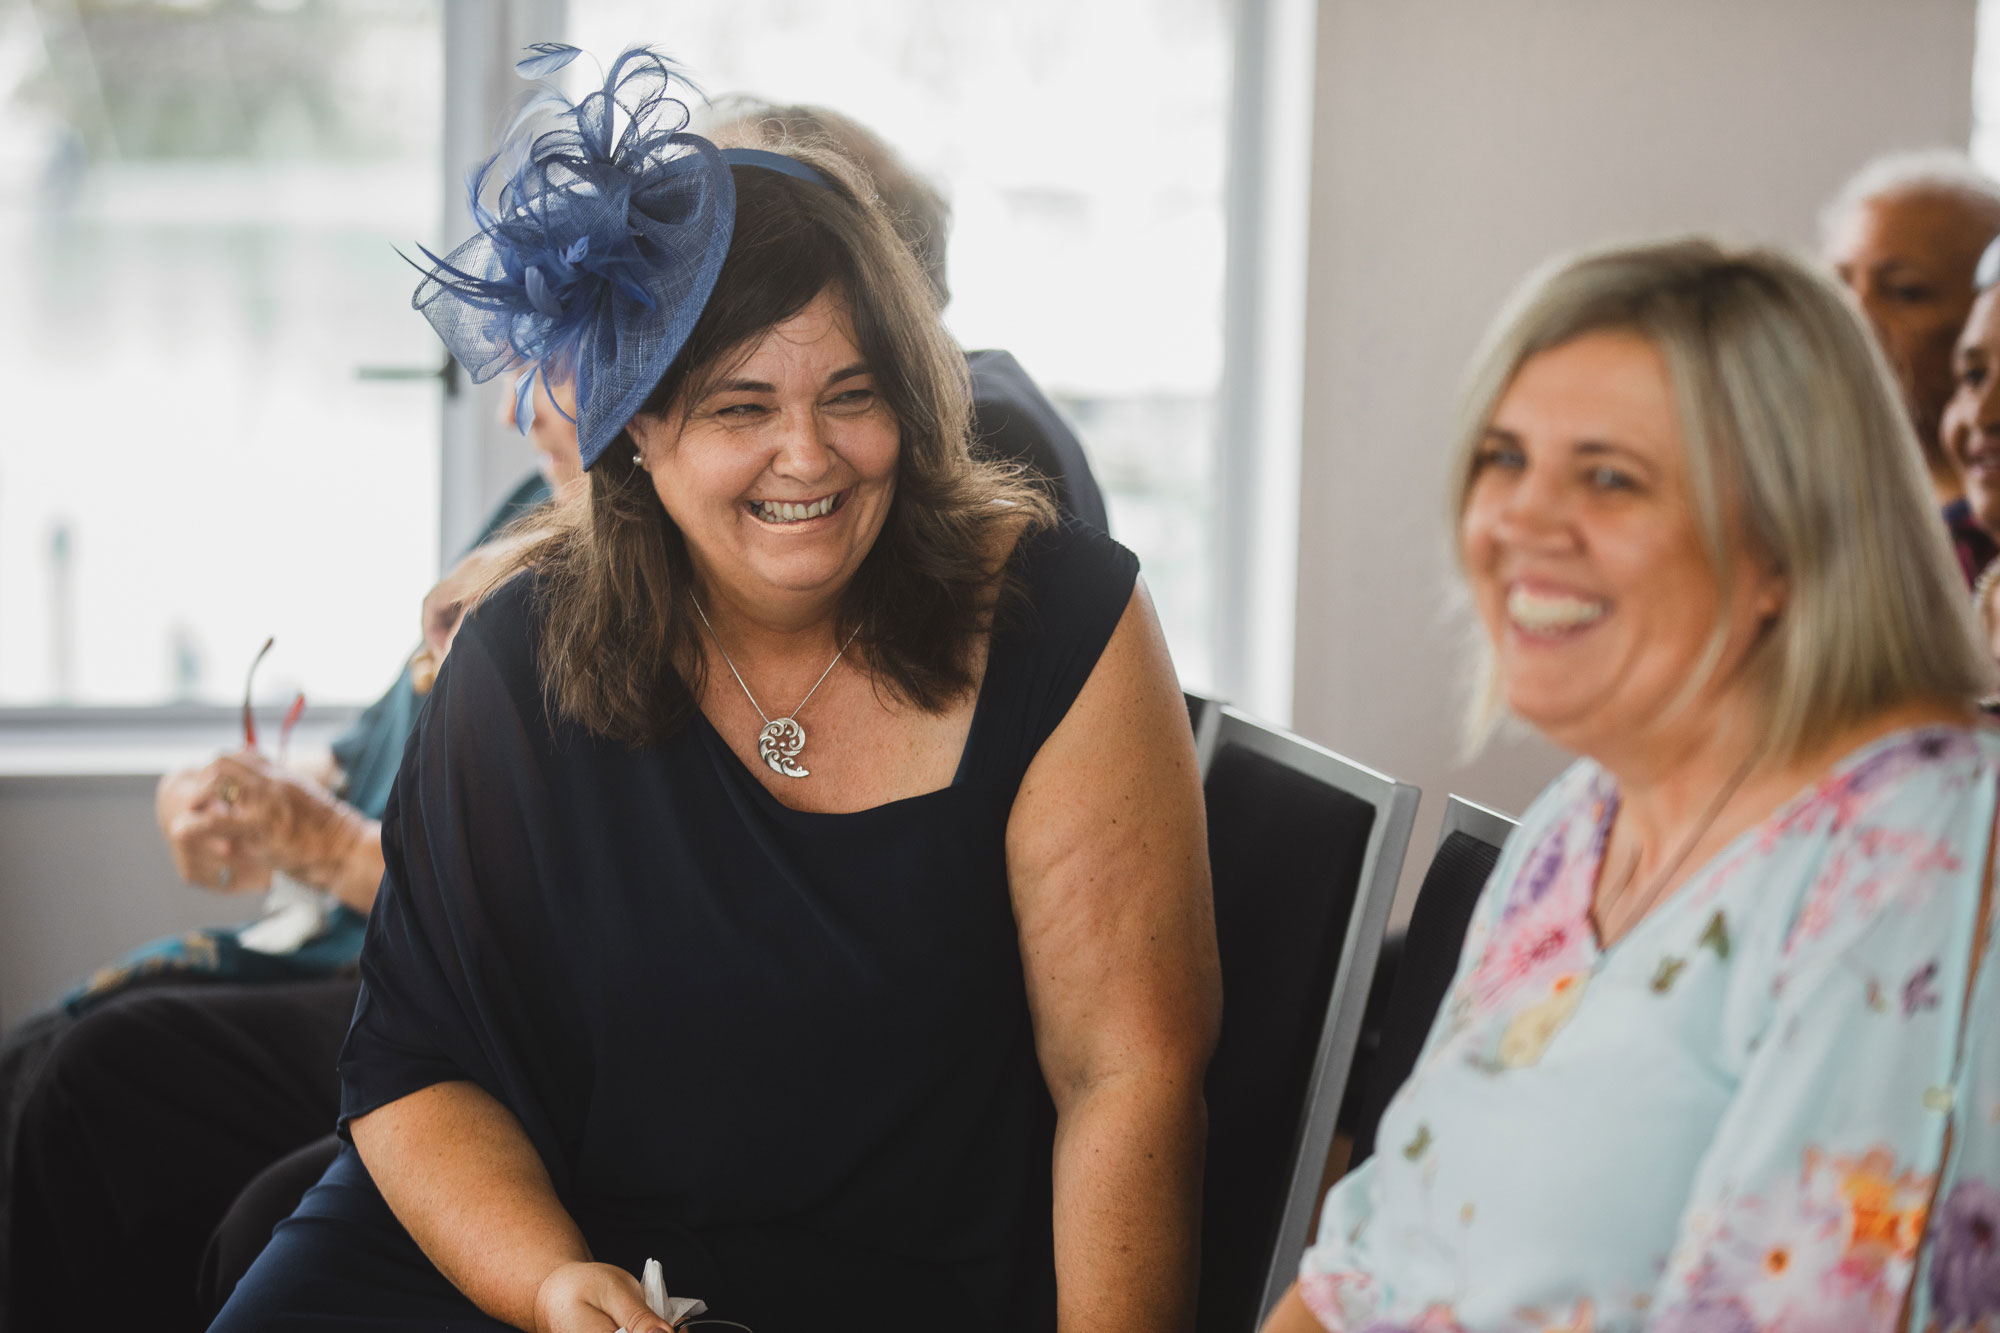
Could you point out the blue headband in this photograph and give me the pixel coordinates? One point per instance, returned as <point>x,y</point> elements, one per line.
<point>602,248</point>
<point>778,162</point>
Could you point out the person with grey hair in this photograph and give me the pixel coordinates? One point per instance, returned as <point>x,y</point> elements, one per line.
<point>1903,234</point>
<point>1721,1049</point>
<point>1012,419</point>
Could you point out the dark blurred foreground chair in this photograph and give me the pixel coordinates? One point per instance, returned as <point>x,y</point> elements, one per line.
<point>1469,845</point>
<point>1305,848</point>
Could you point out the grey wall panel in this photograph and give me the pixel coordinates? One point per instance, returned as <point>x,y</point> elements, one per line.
<point>83,876</point>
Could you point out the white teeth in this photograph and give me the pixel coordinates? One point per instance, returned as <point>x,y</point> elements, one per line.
<point>782,511</point>
<point>1541,613</point>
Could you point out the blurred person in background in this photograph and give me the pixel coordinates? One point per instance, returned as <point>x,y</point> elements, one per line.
<point>1904,234</point>
<point>1721,1052</point>
<point>132,1113</point>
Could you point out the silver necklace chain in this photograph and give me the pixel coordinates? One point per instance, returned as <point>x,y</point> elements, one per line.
<point>1617,900</point>
<point>782,739</point>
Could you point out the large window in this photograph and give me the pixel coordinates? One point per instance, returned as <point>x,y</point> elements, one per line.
<point>198,216</point>
<point>198,233</point>
<point>1081,145</point>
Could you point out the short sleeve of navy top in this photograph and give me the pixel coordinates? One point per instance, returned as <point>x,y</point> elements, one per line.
<point>794,1045</point>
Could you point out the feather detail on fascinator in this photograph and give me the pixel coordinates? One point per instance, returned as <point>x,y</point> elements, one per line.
<point>607,230</point>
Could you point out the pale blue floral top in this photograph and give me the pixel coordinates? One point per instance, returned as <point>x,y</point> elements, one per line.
<point>1735,1118</point>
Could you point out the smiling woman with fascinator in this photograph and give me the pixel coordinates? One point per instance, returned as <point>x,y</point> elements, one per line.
<point>797,876</point>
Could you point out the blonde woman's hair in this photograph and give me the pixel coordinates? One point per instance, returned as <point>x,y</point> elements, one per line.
<point>1797,447</point>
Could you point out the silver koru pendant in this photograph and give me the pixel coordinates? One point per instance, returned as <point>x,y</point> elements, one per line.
<point>778,745</point>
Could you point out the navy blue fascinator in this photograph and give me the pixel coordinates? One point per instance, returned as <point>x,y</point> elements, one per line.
<point>602,244</point>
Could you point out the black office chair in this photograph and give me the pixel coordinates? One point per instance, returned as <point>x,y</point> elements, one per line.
<point>1305,848</point>
<point>1468,846</point>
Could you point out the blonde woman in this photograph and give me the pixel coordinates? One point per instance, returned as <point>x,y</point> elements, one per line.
<point>1707,1063</point>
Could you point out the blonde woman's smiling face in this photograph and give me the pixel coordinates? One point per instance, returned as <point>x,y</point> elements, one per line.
<point>1581,544</point>
<point>781,474</point>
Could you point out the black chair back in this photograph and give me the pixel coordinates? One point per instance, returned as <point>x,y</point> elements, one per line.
<point>1305,848</point>
<point>1468,846</point>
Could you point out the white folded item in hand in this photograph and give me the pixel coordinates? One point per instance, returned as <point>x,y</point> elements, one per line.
<point>294,916</point>
<point>673,1309</point>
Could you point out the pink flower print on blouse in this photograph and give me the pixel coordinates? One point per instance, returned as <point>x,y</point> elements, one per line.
<point>1545,932</point>
<point>1965,1260</point>
<point>1852,793</point>
<point>1901,865</point>
<point>1703,1314</point>
<point>1341,1301</point>
<point>1831,1249</point>
<point>1526,954</point>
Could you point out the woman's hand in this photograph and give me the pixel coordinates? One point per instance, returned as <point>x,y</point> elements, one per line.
<point>594,1298</point>
<point>231,824</point>
<point>187,805</point>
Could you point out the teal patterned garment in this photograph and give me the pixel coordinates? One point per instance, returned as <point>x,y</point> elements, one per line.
<point>1765,1108</point>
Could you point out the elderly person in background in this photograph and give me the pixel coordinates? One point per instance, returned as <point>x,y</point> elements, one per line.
<point>1904,235</point>
<point>900,1028</point>
<point>132,1113</point>
<point>1723,1046</point>
<point>1012,419</point>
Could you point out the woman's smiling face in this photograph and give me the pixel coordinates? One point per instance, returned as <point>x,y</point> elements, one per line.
<point>1585,557</point>
<point>780,475</point>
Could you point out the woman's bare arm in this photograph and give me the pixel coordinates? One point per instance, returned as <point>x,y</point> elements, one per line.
<point>1290,1315</point>
<point>460,1174</point>
<point>1108,862</point>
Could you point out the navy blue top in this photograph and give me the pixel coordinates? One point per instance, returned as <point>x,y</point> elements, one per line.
<point>787,1053</point>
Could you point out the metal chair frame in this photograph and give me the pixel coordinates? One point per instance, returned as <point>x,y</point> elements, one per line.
<point>1340,1030</point>
<point>1205,714</point>
<point>1479,821</point>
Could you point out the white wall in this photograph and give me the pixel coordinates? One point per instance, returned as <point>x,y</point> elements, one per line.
<point>1457,143</point>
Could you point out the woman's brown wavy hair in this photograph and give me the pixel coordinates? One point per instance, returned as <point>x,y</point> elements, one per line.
<point>619,645</point>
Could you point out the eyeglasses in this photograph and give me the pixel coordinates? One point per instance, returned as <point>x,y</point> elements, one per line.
<point>292,714</point>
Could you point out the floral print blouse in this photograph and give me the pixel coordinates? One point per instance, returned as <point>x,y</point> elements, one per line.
<point>1768,1107</point>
